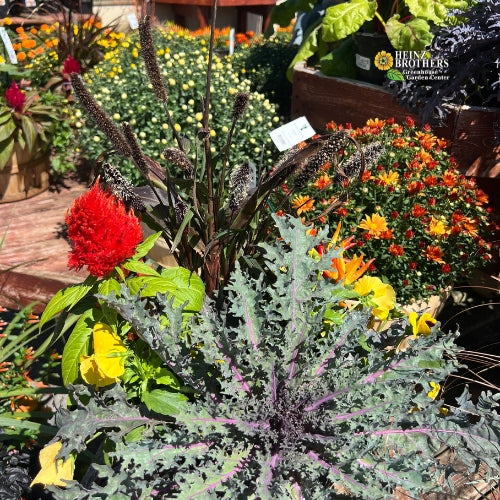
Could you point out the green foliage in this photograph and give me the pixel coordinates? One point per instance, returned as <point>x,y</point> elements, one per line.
<point>408,24</point>
<point>284,403</point>
<point>120,86</point>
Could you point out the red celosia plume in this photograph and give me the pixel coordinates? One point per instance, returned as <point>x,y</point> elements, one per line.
<point>102,232</point>
<point>71,65</point>
<point>15,97</point>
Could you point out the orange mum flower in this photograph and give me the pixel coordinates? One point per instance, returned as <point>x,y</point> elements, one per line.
<point>323,182</point>
<point>102,233</point>
<point>434,253</point>
<point>399,143</point>
<point>303,204</point>
<point>396,250</point>
<point>449,178</point>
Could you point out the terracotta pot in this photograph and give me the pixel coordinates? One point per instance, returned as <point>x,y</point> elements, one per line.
<point>24,176</point>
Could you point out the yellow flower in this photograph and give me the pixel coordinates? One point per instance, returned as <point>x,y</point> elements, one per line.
<point>54,471</point>
<point>375,225</point>
<point>433,393</point>
<point>383,60</point>
<point>421,325</point>
<point>106,365</point>
<point>302,204</point>
<point>381,295</point>
<point>389,178</point>
<point>436,227</point>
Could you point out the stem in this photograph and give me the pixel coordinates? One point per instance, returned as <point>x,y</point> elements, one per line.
<point>379,17</point>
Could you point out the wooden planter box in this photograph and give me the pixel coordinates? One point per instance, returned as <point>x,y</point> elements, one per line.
<point>24,176</point>
<point>473,131</point>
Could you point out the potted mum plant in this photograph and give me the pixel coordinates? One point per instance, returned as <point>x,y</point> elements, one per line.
<point>27,127</point>
<point>425,224</point>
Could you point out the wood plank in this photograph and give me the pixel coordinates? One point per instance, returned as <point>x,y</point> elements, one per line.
<point>33,258</point>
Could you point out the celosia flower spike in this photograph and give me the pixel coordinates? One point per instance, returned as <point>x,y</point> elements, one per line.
<point>353,166</point>
<point>103,121</point>
<point>179,159</point>
<point>240,105</point>
<point>101,231</point>
<point>332,145</point>
<point>15,97</point>
<point>240,183</point>
<point>121,187</point>
<point>149,56</point>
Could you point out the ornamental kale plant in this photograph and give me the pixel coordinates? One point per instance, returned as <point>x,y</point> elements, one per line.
<point>292,397</point>
<point>471,50</point>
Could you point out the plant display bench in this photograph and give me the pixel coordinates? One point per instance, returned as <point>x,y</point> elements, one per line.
<point>200,10</point>
<point>473,131</point>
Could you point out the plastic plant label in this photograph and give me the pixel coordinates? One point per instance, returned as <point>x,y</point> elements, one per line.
<point>292,133</point>
<point>363,62</point>
<point>8,45</point>
<point>132,21</point>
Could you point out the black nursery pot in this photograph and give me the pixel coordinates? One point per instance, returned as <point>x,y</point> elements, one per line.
<point>368,45</point>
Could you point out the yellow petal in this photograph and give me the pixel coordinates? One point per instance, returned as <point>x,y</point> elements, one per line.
<point>54,472</point>
<point>433,393</point>
<point>105,340</point>
<point>92,374</point>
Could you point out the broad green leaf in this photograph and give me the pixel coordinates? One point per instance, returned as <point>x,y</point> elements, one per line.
<point>346,18</point>
<point>140,268</point>
<point>164,402</point>
<point>143,248</point>
<point>107,286</point>
<point>164,376</point>
<point>6,130</point>
<point>30,132</point>
<point>433,10</point>
<point>6,148</point>
<point>414,35</point>
<point>178,282</point>
<point>341,61</point>
<point>77,345</point>
<point>284,12</point>
<point>67,297</point>
<point>307,49</point>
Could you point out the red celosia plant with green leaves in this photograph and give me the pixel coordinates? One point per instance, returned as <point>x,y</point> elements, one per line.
<point>425,224</point>
<point>102,231</point>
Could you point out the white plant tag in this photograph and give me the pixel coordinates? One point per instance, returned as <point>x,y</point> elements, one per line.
<point>132,21</point>
<point>8,45</point>
<point>30,3</point>
<point>292,133</point>
<point>363,62</point>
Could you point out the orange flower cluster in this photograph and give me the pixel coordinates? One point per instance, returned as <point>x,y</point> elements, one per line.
<point>424,223</point>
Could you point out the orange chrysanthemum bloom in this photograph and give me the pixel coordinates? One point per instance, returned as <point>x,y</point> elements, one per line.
<point>418,211</point>
<point>434,253</point>
<point>102,232</point>
<point>375,123</point>
<point>322,182</point>
<point>399,143</point>
<point>395,250</point>
<point>303,204</point>
<point>449,178</point>
<point>374,225</point>
<point>437,227</point>
<point>425,156</point>
<point>21,56</point>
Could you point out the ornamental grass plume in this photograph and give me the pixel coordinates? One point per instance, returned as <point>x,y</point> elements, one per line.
<point>102,232</point>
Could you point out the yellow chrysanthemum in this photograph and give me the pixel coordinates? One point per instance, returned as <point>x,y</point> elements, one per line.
<point>437,227</point>
<point>303,204</point>
<point>106,365</point>
<point>383,60</point>
<point>54,472</point>
<point>421,325</point>
<point>375,225</point>
<point>389,178</point>
<point>381,295</point>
